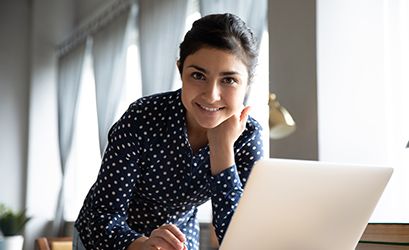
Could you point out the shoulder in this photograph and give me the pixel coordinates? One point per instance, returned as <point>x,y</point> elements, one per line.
<point>161,99</point>
<point>147,109</point>
<point>251,136</point>
<point>154,105</point>
<point>249,148</point>
<point>253,125</point>
<point>253,129</point>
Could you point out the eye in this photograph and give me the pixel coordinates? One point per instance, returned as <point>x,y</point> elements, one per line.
<point>198,76</point>
<point>229,80</point>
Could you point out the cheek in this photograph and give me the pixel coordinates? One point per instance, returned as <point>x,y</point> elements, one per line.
<point>185,97</point>
<point>187,84</point>
<point>188,90</point>
<point>242,94</point>
<point>188,94</point>
<point>236,100</point>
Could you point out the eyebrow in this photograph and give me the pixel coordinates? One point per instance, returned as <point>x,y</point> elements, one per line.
<point>225,73</point>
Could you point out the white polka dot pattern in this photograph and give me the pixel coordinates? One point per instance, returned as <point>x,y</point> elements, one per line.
<point>150,176</point>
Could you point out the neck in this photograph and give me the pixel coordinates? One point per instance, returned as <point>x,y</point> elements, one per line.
<point>197,135</point>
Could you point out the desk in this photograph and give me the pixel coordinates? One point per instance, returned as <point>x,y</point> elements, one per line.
<point>393,236</point>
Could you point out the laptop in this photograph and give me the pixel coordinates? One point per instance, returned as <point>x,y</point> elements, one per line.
<point>305,205</point>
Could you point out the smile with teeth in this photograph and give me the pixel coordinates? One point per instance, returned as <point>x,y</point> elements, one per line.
<point>209,109</point>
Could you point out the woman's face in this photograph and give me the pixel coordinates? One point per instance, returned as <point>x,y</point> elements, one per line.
<point>214,86</point>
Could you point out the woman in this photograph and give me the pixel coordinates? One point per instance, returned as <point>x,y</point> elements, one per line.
<point>171,152</point>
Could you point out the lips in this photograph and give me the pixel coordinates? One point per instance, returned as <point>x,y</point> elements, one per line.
<point>209,109</point>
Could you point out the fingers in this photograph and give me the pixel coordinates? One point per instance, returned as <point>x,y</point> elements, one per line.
<point>176,231</point>
<point>167,237</point>
<point>244,113</point>
<point>160,243</point>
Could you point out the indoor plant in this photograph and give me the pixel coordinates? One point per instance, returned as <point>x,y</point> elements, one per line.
<point>12,226</point>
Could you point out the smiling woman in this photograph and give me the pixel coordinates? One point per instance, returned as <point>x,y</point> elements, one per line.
<point>171,152</point>
<point>213,95</point>
<point>214,85</point>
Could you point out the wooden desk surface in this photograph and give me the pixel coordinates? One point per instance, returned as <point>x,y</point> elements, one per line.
<point>394,236</point>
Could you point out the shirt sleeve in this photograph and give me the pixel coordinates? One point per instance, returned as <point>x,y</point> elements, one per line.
<point>110,195</point>
<point>227,186</point>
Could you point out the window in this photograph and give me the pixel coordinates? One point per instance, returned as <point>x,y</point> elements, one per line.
<point>363,92</point>
<point>83,162</point>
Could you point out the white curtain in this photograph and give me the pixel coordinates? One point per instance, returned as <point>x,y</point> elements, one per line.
<point>253,12</point>
<point>161,24</point>
<point>109,59</point>
<point>69,78</point>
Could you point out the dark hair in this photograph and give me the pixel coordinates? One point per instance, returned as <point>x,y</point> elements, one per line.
<point>221,31</point>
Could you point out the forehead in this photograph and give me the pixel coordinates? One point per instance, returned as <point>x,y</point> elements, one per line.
<point>216,60</point>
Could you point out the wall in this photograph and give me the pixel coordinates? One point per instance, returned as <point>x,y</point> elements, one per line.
<point>293,77</point>
<point>14,90</point>
<point>50,22</point>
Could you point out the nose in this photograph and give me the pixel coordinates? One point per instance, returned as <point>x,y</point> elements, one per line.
<point>212,92</point>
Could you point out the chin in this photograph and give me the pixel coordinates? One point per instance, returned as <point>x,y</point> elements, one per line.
<point>209,125</point>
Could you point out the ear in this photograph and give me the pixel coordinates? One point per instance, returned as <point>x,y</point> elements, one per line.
<point>178,64</point>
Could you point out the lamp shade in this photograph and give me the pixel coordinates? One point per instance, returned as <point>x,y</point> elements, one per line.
<point>280,121</point>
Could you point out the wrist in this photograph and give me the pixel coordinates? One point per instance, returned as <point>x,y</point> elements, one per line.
<point>137,244</point>
<point>221,158</point>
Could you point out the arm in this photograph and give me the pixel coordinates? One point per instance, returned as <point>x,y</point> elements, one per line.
<point>221,141</point>
<point>137,244</point>
<point>165,237</point>
<point>227,186</point>
<point>109,198</point>
<point>104,223</point>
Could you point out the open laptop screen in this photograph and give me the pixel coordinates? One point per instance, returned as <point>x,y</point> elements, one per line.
<point>295,204</point>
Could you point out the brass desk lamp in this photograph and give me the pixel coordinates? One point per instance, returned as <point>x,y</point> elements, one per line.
<point>280,121</point>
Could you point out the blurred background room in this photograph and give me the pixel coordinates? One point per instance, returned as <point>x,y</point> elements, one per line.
<point>70,68</point>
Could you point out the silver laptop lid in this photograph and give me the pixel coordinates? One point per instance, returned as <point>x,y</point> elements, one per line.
<point>308,205</point>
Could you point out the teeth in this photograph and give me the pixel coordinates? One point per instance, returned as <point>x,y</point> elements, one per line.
<point>209,109</point>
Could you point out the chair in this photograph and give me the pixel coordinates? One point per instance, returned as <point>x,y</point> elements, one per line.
<point>53,243</point>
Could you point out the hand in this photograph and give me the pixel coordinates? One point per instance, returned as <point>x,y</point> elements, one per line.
<point>166,237</point>
<point>222,138</point>
<point>229,130</point>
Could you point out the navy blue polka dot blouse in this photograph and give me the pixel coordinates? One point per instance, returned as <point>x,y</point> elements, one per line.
<point>149,176</point>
